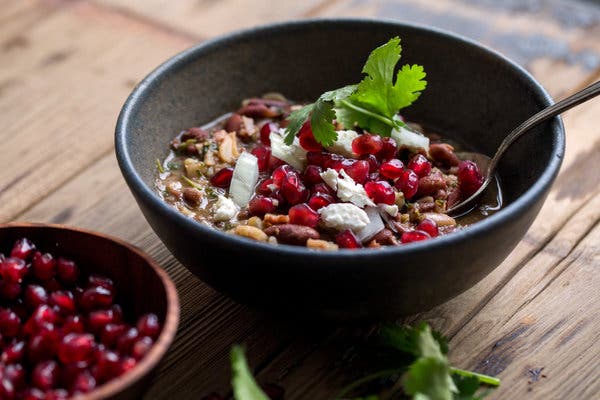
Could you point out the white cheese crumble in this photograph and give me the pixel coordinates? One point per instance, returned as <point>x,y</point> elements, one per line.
<point>343,143</point>
<point>342,216</point>
<point>390,209</point>
<point>330,177</point>
<point>294,154</point>
<point>412,140</point>
<point>224,209</point>
<point>347,189</point>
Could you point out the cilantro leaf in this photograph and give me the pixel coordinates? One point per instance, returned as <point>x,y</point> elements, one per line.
<point>244,385</point>
<point>405,338</point>
<point>338,94</point>
<point>297,119</point>
<point>321,123</point>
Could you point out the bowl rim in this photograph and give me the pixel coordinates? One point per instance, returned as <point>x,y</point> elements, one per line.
<point>517,208</point>
<point>172,314</point>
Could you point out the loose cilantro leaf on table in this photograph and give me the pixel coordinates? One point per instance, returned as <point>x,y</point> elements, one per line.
<point>421,370</point>
<point>371,104</point>
<point>244,385</point>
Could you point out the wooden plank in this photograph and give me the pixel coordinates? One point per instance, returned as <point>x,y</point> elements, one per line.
<point>62,91</point>
<point>210,18</point>
<point>556,41</point>
<point>547,316</point>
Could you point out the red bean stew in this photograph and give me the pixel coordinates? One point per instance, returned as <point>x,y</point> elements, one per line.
<point>237,174</point>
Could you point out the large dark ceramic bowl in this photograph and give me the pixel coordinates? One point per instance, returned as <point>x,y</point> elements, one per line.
<point>474,95</point>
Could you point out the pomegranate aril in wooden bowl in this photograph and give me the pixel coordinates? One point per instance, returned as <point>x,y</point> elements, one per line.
<point>78,319</point>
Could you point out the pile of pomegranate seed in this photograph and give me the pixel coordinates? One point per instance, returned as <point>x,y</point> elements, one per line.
<point>60,334</point>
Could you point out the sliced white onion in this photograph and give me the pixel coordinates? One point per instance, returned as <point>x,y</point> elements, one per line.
<point>243,181</point>
<point>410,139</point>
<point>374,226</point>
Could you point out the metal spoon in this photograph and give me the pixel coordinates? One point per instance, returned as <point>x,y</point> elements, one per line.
<point>488,165</point>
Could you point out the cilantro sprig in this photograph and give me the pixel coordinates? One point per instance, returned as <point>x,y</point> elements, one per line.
<point>416,359</point>
<point>372,104</point>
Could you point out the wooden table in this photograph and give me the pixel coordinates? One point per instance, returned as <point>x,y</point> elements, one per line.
<point>66,67</point>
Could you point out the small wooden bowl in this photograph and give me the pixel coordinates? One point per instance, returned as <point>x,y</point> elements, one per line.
<point>141,287</point>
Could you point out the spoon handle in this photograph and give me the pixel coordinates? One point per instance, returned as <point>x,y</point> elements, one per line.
<point>589,92</point>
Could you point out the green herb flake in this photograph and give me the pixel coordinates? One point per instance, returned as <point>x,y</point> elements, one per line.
<point>159,167</point>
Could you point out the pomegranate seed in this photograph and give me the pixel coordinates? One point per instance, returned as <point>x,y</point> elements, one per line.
<point>322,188</point>
<point>469,178</point>
<point>10,290</point>
<point>141,347</point>
<point>367,144</point>
<point>45,375</point>
<point>265,132</point>
<point>108,365</point>
<point>10,323</point>
<point>127,364</point>
<point>64,300</point>
<point>43,345</point>
<point>222,178</point>
<point>374,177</point>
<point>389,149</point>
<point>42,317</point>
<point>84,382</point>
<point>320,200</point>
<point>15,373</point>
<point>263,155</point>
<point>347,240</point>
<point>331,160</point>
<point>43,266</point>
<point>13,269</point>
<point>373,163</point>
<point>414,236</point>
<point>34,394</point>
<point>68,271</point>
<point>380,192</point>
<point>23,249</point>
<point>391,169</point>
<point>7,390</point>
<point>96,297</point>
<point>428,226</point>
<point>126,340</point>
<point>275,163</point>
<point>76,347</point>
<point>357,170</point>
<point>13,353</point>
<point>420,165</point>
<point>302,214</point>
<point>35,296</point>
<point>260,205</point>
<point>408,183</point>
<point>307,139</point>
<point>99,319</point>
<point>280,173</point>
<point>293,190</point>
<point>73,324</point>
<point>149,325</point>
<point>98,280</point>
<point>112,332</point>
<point>312,174</point>
<point>266,187</point>
<point>57,394</point>
<point>316,158</point>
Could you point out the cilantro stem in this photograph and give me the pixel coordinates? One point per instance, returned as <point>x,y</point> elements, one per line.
<point>191,182</point>
<point>378,117</point>
<point>159,166</point>
<point>488,380</point>
<point>368,378</point>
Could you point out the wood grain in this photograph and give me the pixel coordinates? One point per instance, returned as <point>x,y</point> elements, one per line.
<point>210,18</point>
<point>63,87</point>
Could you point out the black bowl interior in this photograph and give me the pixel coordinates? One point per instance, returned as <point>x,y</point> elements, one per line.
<point>474,96</point>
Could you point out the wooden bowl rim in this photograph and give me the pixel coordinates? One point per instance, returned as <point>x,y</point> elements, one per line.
<point>169,328</point>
